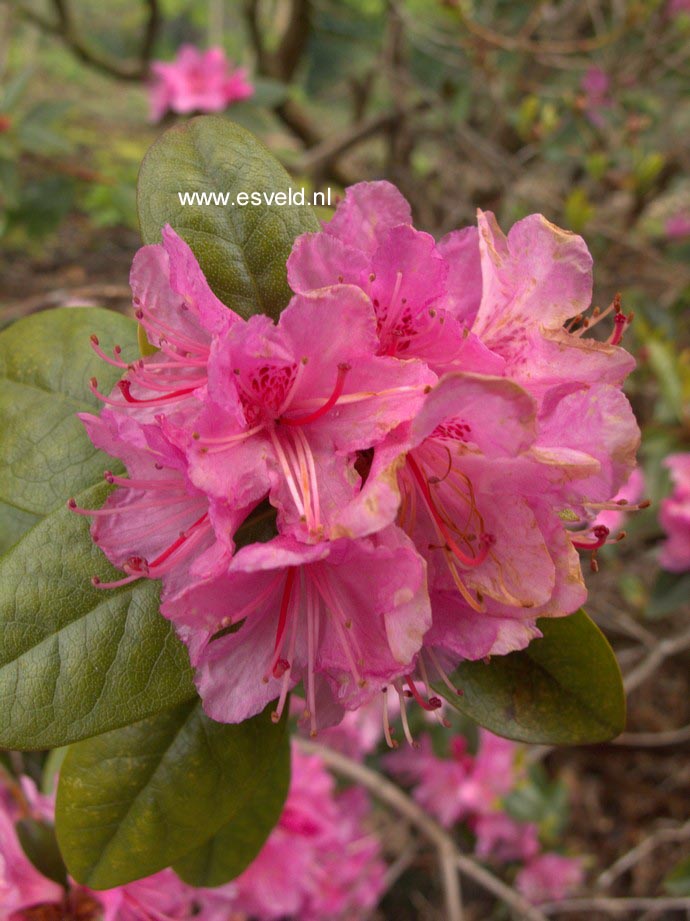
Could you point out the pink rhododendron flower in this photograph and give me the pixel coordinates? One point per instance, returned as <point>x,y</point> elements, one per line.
<point>196,81</point>
<point>342,639</point>
<point>318,863</point>
<point>461,786</point>
<point>675,516</point>
<point>288,407</point>
<point>677,227</point>
<point>549,877</point>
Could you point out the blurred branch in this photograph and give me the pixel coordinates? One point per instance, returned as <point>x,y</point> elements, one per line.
<point>522,43</point>
<point>63,27</point>
<point>638,853</point>
<point>616,906</point>
<point>662,739</point>
<point>651,662</point>
<point>319,158</point>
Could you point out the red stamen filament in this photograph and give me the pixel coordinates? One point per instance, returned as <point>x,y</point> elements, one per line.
<point>282,623</point>
<point>116,362</point>
<point>329,404</point>
<point>175,395</point>
<point>184,536</point>
<point>441,524</point>
<point>433,704</point>
<point>600,532</point>
<point>173,335</point>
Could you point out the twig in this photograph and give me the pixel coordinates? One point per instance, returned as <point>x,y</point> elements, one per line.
<point>317,157</point>
<point>640,851</point>
<point>519,43</point>
<point>85,295</point>
<point>659,739</point>
<point>63,27</point>
<point>616,906</point>
<point>393,796</point>
<point>663,650</point>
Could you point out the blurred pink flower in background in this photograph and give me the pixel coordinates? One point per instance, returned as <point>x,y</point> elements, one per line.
<point>675,516</point>
<point>596,85</point>
<point>678,8</point>
<point>549,877</point>
<point>472,789</point>
<point>196,81</point>
<point>677,227</point>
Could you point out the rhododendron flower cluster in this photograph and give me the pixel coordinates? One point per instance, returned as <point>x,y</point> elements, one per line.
<point>319,863</point>
<point>397,474</point>
<point>472,788</point>
<point>675,516</point>
<point>196,81</point>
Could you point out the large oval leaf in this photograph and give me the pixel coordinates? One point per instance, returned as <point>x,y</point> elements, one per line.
<point>136,800</point>
<point>242,250</point>
<point>45,365</point>
<point>230,851</point>
<point>75,660</point>
<point>564,689</point>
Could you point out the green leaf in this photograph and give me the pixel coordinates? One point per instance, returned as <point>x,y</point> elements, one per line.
<point>224,856</point>
<point>45,364</point>
<point>40,845</point>
<point>136,800</point>
<point>564,689</point>
<point>678,880</point>
<point>242,250</point>
<point>76,660</point>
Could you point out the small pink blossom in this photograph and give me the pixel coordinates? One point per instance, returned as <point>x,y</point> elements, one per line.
<point>676,8</point>
<point>596,85</point>
<point>503,839</point>
<point>549,877</point>
<point>438,783</point>
<point>196,81</point>
<point>677,227</point>
<point>461,786</point>
<point>675,516</point>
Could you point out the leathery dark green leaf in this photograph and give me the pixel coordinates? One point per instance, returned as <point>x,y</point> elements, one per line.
<point>45,365</point>
<point>230,851</point>
<point>76,660</point>
<point>242,250</point>
<point>136,800</point>
<point>563,689</point>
